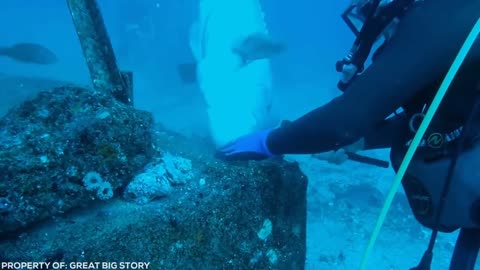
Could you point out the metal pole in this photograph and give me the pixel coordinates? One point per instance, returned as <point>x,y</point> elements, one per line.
<point>127,77</point>
<point>98,51</point>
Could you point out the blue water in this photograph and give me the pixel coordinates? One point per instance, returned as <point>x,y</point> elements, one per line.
<point>304,76</point>
<point>313,32</point>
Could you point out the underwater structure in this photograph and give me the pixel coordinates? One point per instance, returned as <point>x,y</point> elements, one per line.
<point>86,177</point>
<point>89,178</point>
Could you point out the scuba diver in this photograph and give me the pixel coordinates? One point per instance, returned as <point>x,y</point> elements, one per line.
<point>422,40</point>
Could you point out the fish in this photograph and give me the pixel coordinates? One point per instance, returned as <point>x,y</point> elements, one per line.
<point>29,53</point>
<point>257,46</point>
<point>187,72</point>
<point>254,47</point>
<point>231,46</point>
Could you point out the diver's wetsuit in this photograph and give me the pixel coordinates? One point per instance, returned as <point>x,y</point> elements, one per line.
<point>406,74</point>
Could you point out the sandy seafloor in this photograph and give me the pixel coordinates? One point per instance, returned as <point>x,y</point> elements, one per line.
<point>336,242</point>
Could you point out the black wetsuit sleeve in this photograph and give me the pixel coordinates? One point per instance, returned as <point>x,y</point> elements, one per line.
<point>422,50</point>
<point>387,133</point>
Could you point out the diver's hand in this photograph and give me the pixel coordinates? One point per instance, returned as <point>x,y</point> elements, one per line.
<point>249,147</point>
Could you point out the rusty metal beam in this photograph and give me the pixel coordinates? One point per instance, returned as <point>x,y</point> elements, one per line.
<point>98,51</point>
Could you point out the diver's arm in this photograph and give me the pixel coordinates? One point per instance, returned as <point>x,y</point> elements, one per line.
<point>384,136</point>
<point>421,51</point>
<point>386,133</point>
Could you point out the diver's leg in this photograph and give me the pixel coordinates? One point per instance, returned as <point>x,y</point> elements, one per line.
<point>466,250</point>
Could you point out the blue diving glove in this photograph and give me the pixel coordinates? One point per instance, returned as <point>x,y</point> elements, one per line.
<point>249,147</point>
